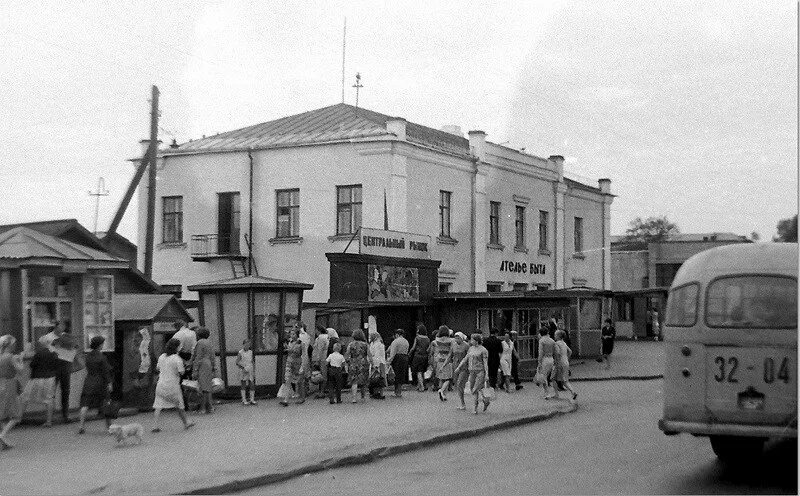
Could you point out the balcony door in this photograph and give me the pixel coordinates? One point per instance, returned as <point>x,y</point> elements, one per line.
<point>228,228</point>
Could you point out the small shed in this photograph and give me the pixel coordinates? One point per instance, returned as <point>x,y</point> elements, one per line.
<point>156,313</point>
<point>258,308</point>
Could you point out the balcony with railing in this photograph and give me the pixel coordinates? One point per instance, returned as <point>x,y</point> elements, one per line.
<point>206,247</point>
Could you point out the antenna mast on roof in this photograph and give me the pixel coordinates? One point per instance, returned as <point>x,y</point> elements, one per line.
<point>358,86</point>
<point>101,191</point>
<point>344,46</point>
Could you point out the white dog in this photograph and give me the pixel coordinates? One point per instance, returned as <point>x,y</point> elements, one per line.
<point>127,431</point>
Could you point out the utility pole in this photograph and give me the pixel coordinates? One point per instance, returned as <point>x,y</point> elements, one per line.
<point>152,153</point>
<point>101,191</point>
<point>358,85</point>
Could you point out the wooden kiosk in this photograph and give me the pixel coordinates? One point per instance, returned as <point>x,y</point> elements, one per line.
<point>252,307</point>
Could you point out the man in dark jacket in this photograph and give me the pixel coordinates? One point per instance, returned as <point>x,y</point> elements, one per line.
<point>495,348</point>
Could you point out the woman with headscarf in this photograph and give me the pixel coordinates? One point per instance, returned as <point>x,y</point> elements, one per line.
<point>357,364</point>
<point>377,366</point>
<point>97,385</point>
<point>10,367</point>
<point>204,368</point>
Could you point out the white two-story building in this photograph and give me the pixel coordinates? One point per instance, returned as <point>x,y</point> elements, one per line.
<point>280,195</point>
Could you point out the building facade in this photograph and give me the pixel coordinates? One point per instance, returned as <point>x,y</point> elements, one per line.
<point>274,198</point>
<point>642,273</point>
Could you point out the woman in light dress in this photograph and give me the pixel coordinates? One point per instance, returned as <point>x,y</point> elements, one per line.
<point>168,387</point>
<point>506,358</point>
<point>561,373</point>
<point>443,360</point>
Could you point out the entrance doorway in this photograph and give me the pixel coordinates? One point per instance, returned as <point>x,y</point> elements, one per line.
<point>228,230</point>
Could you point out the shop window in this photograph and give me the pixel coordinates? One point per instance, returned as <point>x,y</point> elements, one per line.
<point>494,287</point>
<point>623,309</point>
<point>519,226</point>
<point>543,220</point>
<point>267,310</point>
<point>494,223</point>
<point>98,316</point>
<point>578,235</point>
<point>172,219</point>
<point>291,312</point>
<point>445,287</point>
<point>520,286</point>
<point>234,316</point>
<point>288,213</point>
<point>444,213</point>
<point>348,209</point>
<point>211,318</point>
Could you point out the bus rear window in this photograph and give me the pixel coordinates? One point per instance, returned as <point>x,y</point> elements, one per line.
<point>752,302</point>
<point>682,306</point>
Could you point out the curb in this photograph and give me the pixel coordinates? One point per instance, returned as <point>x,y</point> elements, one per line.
<point>371,455</point>
<point>618,378</point>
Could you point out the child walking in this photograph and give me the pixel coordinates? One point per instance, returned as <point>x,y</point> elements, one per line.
<point>562,354</point>
<point>477,363</point>
<point>244,360</point>
<point>335,363</point>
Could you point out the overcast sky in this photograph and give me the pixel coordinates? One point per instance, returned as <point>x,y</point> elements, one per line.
<point>690,108</point>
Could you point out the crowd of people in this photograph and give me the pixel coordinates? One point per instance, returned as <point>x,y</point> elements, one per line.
<point>471,366</point>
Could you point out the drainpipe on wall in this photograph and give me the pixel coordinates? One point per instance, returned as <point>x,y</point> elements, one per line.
<point>555,235</point>
<point>473,179</point>
<point>250,212</point>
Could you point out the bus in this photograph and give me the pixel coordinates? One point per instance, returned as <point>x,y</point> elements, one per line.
<point>730,338</point>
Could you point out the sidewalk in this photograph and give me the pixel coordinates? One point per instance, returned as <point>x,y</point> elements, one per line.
<point>630,360</point>
<point>239,447</point>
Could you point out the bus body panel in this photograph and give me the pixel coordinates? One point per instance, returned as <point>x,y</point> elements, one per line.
<point>734,377</point>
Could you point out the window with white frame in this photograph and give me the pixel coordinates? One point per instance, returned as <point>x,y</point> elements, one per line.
<point>494,223</point>
<point>172,219</point>
<point>519,226</point>
<point>444,213</point>
<point>287,213</point>
<point>578,234</point>
<point>543,220</point>
<point>348,209</point>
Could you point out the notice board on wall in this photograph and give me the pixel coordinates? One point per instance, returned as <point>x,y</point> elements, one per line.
<point>391,283</point>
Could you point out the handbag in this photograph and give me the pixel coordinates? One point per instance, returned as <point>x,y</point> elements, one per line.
<point>284,391</point>
<point>488,394</point>
<point>217,385</point>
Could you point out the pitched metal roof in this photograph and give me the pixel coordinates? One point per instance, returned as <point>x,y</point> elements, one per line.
<point>250,282</point>
<point>336,123</point>
<point>69,229</point>
<point>23,244</point>
<point>129,307</point>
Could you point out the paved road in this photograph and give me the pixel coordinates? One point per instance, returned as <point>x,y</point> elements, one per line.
<point>610,446</point>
